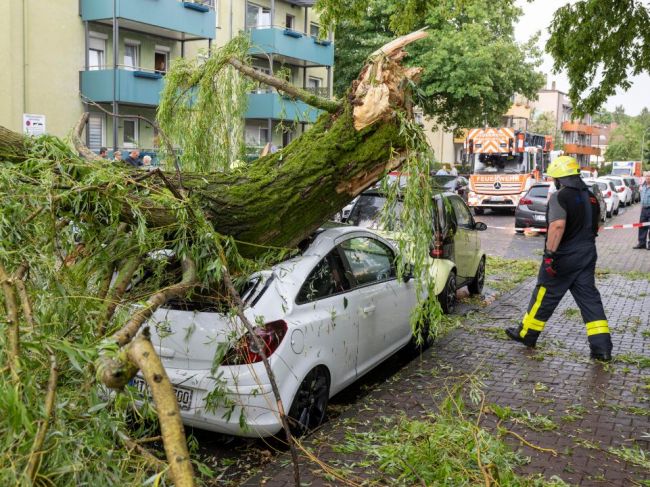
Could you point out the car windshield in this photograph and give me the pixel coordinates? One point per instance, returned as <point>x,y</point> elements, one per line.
<point>367,212</point>
<point>620,171</point>
<point>538,192</point>
<point>447,182</point>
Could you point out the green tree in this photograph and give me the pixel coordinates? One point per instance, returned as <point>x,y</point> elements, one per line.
<point>600,43</point>
<point>472,64</point>
<point>625,142</point>
<point>544,123</point>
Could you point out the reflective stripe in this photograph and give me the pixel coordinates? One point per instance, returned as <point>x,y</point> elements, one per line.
<point>597,327</point>
<point>529,321</point>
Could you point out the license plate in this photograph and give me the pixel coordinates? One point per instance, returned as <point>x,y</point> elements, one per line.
<point>183,395</point>
<point>497,198</point>
<point>540,218</point>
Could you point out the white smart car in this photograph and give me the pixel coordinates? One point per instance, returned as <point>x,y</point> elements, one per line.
<point>326,318</point>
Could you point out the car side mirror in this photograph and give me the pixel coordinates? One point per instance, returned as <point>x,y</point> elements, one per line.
<point>407,273</point>
<point>480,226</point>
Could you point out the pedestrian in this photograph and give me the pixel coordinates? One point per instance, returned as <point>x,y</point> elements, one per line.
<point>569,262</point>
<point>117,156</point>
<point>103,152</point>
<point>442,172</point>
<point>453,171</point>
<point>134,158</point>
<point>645,212</point>
<point>146,163</point>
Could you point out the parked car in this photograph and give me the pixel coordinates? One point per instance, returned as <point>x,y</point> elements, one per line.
<point>457,258</point>
<point>595,189</point>
<point>610,194</point>
<point>634,186</point>
<point>624,191</point>
<point>342,216</point>
<point>531,210</point>
<point>453,184</point>
<point>326,317</point>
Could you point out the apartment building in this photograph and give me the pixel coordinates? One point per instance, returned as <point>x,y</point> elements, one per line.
<point>59,61</point>
<point>577,134</point>
<point>286,42</point>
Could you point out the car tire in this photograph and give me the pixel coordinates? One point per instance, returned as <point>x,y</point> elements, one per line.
<point>609,214</point>
<point>616,211</point>
<point>414,347</point>
<point>478,211</point>
<point>519,231</point>
<point>309,405</point>
<point>476,285</point>
<point>447,298</point>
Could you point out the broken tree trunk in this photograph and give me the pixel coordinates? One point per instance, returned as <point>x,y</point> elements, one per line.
<point>282,198</point>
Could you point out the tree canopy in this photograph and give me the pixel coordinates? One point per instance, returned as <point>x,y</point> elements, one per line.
<point>472,63</point>
<point>600,43</point>
<point>627,141</point>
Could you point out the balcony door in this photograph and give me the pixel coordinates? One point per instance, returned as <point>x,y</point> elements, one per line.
<point>131,55</point>
<point>131,133</point>
<point>96,51</point>
<point>257,17</point>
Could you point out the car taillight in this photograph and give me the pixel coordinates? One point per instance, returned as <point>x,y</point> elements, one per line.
<point>620,190</point>
<point>245,351</point>
<point>608,194</point>
<point>525,201</point>
<point>437,249</point>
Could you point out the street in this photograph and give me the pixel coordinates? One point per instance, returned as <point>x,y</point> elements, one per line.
<point>615,252</point>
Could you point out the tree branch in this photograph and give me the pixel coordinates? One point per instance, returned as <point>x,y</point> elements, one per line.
<point>19,281</point>
<point>316,101</point>
<point>79,145</point>
<point>13,348</point>
<point>119,288</point>
<point>35,454</point>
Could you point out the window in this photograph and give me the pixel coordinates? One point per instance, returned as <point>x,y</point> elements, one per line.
<point>257,17</point>
<point>130,132</point>
<point>538,192</point>
<point>131,55</point>
<point>325,280</point>
<point>290,21</point>
<point>261,87</point>
<point>161,59</point>
<point>463,216</point>
<point>95,131</point>
<point>96,51</point>
<point>370,260</point>
<point>314,30</point>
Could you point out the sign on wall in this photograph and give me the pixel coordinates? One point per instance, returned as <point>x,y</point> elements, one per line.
<point>33,124</point>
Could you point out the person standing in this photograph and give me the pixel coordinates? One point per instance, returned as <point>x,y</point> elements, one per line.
<point>645,212</point>
<point>453,171</point>
<point>134,158</point>
<point>103,152</point>
<point>569,262</point>
<point>117,156</point>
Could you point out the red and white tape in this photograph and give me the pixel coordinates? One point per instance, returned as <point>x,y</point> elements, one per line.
<point>543,230</point>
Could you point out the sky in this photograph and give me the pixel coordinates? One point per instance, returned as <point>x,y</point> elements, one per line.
<point>537,17</point>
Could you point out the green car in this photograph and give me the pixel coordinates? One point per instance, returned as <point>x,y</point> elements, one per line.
<point>456,256</point>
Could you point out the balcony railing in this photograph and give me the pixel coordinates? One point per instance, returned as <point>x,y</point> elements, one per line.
<point>581,149</point>
<point>291,43</point>
<point>322,91</point>
<point>577,127</point>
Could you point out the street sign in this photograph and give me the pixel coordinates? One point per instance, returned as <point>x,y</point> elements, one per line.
<point>33,124</point>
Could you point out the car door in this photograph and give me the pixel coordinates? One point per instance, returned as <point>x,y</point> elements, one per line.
<point>326,309</point>
<point>466,241</point>
<point>383,304</point>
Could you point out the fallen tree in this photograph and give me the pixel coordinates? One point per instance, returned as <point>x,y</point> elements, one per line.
<point>70,222</point>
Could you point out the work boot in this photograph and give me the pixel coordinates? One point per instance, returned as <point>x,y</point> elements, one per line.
<point>601,347</point>
<point>639,246</point>
<point>530,340</point>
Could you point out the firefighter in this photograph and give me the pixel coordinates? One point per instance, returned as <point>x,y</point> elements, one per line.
<point>569,261</point>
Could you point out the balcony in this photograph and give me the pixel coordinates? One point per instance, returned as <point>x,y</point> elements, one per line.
<point>277,107</point>
<point>581,149</point>
<point>293,45</point>
<point>133,87</point>
<point>577,127</point>
<point>170,18</point>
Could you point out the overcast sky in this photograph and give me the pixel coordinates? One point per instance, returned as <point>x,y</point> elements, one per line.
<point>537,17</point>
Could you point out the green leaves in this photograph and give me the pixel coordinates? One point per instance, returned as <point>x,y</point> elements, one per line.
<point>599,43</point>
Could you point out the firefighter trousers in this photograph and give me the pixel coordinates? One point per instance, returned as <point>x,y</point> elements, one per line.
<point>575,273</point>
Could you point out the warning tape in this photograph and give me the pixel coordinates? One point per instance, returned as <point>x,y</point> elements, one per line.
<point>543,230</point>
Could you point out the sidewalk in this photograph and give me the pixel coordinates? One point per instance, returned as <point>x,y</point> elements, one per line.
<point>595,407</point>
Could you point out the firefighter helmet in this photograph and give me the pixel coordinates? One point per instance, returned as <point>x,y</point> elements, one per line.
<point>563,166</point>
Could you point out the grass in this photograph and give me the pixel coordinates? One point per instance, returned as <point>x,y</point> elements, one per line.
<point>503,275</point>
<point>571,313</point>
<point>640,361</point>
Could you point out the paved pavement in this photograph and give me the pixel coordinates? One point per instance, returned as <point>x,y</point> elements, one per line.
<point>597,410</point>
<point>614,246</point>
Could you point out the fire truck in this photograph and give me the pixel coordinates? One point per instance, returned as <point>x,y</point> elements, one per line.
<point>504,163</point>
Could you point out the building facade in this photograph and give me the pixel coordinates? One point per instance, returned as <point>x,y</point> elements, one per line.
<point>109,57</point>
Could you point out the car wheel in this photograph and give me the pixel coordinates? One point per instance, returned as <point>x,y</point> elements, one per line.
<point>609,214</point>
<point>478,211</point>
<point>518,231</point>
<point>310,402</point>
<point>616,211</point>
<point>476,286</point>
<point>447,297</point>
<point>415,347</point>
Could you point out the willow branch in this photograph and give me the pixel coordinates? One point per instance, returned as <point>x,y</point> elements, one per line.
<point>19,281</point>
<point>79,145</point>
<point>239,309</point>
<point>35,454</point>
<point>13,349</point>
<point>316,101</point>
<point>143,354</point>
<point>119,288</point>
<point>136,445</point>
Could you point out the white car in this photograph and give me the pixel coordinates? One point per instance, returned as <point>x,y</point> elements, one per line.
<point>625,193</point>
<point>610,194</point>
<point>326,318</point>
